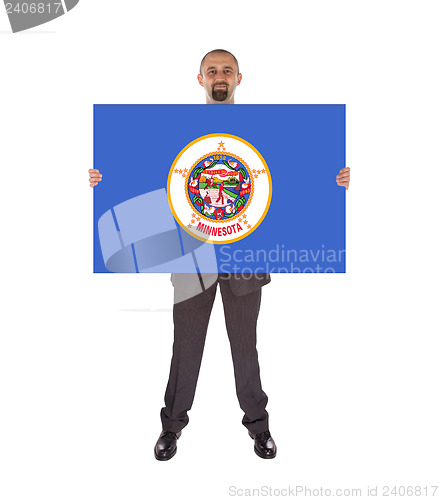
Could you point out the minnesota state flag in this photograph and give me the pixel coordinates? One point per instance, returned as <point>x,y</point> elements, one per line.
<point>237,188</point>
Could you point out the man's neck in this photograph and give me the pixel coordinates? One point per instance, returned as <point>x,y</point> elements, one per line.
<point>232,101</point>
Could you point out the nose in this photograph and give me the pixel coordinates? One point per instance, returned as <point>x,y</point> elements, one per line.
<point>221,78</point>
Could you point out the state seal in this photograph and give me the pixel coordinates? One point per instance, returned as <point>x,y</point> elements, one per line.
<point>219,188</point>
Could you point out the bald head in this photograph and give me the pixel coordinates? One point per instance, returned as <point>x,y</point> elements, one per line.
<point>218,51</point>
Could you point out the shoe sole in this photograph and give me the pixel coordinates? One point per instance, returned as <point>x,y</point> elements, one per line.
<point>163,459</point>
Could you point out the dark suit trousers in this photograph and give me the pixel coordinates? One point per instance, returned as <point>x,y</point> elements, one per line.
<point>191,319</point>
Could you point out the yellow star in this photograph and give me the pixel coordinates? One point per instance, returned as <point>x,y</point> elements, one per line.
<point>221,145</point>
<point>198,218</point>
<point>192,221</point>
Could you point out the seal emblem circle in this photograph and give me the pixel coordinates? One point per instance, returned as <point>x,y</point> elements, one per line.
<point>219,188</point>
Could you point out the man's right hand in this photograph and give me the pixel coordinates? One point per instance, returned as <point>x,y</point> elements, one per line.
<point>95,177</point>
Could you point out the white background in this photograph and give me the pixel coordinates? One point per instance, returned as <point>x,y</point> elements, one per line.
<point>349,362</point>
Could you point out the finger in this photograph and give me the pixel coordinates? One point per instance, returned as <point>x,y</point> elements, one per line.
<point>345,184</point>
<point>93,184</point>
<point>95,176</point>
<point>344,176</point>
<point>93,170</point>
<point>346,169</point>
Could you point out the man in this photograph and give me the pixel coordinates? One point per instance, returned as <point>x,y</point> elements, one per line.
<point>219,76</point>
<point>220,194</point>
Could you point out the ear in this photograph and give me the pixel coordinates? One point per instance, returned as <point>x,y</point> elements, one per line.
<point>200,80</point>
<point>239,79</point>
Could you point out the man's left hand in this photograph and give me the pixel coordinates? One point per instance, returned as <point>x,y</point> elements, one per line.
<point>344,177</point>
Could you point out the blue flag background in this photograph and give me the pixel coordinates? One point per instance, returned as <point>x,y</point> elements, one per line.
<point>303,145</point>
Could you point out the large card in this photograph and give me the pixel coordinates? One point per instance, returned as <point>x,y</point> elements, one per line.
<point>232,188</point>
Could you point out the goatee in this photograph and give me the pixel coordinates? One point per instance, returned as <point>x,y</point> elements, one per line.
<point>220,94</point>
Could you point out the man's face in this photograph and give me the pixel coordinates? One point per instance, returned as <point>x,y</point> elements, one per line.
<point>219,78</point>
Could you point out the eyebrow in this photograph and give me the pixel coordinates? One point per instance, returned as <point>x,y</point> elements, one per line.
<point>214,67</point>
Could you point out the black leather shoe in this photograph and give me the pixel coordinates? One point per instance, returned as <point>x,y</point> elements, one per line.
<point>265,447</point>
<point>166,446</point>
